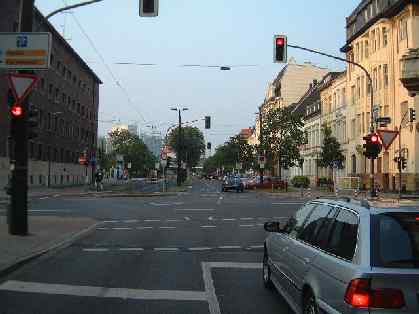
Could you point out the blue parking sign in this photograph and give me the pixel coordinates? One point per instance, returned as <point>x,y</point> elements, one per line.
<point>22,41</point>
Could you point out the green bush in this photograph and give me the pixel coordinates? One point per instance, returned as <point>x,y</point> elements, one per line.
<point>300,181</point>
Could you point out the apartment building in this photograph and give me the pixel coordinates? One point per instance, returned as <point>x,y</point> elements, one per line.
<point>379,33</point>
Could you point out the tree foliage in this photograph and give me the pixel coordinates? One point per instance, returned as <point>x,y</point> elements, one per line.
<point>283,134</point>
<point>192,144</point>
<point>134,151</point>
<point>331,154</point>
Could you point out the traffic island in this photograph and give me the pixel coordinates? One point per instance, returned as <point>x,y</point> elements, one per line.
<point>46,233</point>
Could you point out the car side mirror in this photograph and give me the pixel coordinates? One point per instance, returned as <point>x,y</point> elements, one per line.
<point>272,226</point>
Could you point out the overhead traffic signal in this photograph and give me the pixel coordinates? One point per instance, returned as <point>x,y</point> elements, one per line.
<point>207,122</point>
<point>280,49</point>
<point>412,114</point>
<point>33,120</point>
<point>149,8</point>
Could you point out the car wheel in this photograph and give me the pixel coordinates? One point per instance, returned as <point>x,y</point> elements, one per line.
<point>310,305</point>
<point>266,272</point>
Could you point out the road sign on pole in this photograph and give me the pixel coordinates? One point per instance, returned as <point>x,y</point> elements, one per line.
<point>21,85</point>
<point>25,51</point>
<point>375,112</point>
<point>387,137</point>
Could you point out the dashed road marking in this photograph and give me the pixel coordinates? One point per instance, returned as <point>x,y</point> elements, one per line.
<point>256,247</point>
<point>288,203</point>
<point>187,218</point>
<point>131,221</point>
<point>195,209</point>
<point>131,249</point>
<point>230,247</point>
<point>248,226</point>
<point>199,248</point>
<point>172,220</point>
<point>247,218</point>
<point>167,228</point>
<point>209,226</point>
<point>229,219</point>
<point>44,198</point>
<point>144,228</point>
<point>166,249</point>
<point>102,228</point>
<point>152,220</point>
<point>111,221</point>
<point>96,250</point>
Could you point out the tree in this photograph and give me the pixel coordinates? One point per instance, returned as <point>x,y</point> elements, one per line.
<point>134,151</point>
<point>331,155</point>
<point>282,137</point>
<point>192,146</point>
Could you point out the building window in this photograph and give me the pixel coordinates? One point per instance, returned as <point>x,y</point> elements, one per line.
<point>55,123</point>
<point>379,77</point>
<point>58,65</point>
<point>385,37</point>
<point>39,151</point>
<point>63,98</point>
<point>378,35</point>
<point>374,41</point>
<point>57,95</point>
<point>362,85</point>
<point>69,101</point>
<point>73,105</point>
<point>353,125</point>
<point>31,149</point>
<point>403,29</point>
<point>374,78</point>
<point>344,96</point>
<point>50,90</point>
<point>353,94</point>
<point>78,108</point>
<point>358,88</point>
<point>42,84</point>
<point>366,47</point>
<point>74,80</point>
<point>385,75</point>
<point>49,121</point>
<point>52,60</point>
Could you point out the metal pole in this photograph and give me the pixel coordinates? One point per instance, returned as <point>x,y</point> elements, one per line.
<point>260,141</point>
<point>69,7</point>
<point>372,129</point>
<point>399,164</point>
<point>179,150</point>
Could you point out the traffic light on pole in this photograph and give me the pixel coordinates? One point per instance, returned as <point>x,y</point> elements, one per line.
<point>33,116</point>
<point>403,163</point>
<point>149,8</point>
<point>207,122</point>
<point>366,146</point>
<point>412,114</point>
<point>372,146</point>
<point>280,49</point>
<point>209,145</point>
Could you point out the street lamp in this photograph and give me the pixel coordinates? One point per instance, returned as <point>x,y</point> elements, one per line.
<point>179,144</point>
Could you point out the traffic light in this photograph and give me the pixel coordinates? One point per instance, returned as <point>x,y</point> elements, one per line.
<point>149,8</point>
<point>16,111</point>
<point>412,114</point>
<point>33,116</point>
<point>372,146</point>
<point>280,49</point>
<point>208,122</point>
<point>209,145</point>
<point>403,163</point>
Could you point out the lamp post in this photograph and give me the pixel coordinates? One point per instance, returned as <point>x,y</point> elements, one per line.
<point>179,145</point>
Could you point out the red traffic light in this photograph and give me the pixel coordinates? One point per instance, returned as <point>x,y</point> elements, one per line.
<point>280,41</point>
<point>374,138</point>
<point>16,110</point>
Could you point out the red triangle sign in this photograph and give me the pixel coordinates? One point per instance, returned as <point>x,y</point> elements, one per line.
<point>387,137</point>
<point>21,85</point>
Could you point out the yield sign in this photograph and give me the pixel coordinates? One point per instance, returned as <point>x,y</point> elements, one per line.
<point>21,85</point>
<point>387,137</point>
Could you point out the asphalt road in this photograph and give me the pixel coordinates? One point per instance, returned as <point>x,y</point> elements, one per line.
<point>198,252</point>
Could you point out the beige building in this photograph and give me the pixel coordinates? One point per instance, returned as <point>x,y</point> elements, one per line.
<point>379,33</point>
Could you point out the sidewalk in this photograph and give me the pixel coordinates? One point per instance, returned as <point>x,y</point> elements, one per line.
<point>45,233</point>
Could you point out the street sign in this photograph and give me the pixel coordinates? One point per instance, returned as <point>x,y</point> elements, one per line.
<point>82,160</point>
<point>387,137</point>
<point>129,165</point>
<point>383,120</point>
<point>163,163</point>
<point>375,112</point>
<point>25,51</point>
<point>21,85</point>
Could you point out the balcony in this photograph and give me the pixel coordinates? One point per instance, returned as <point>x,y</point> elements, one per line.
<point>410,71</point>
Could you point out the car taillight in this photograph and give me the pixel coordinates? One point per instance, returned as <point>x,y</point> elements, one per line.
<point>359,294</point>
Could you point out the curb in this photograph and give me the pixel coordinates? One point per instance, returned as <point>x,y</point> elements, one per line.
<point>54,247</point>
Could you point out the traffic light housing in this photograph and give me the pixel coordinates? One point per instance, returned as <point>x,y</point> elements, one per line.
<point>280,49</point>
<point>207,122</point>
<point>412,114</point>
<point>403,163</point>
<point>209,145</point>
<point>149,8</point>
<point>372,146</point>
<point>32,122</point>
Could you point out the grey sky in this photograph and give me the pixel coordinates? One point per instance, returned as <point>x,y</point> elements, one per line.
<point>216,32</point>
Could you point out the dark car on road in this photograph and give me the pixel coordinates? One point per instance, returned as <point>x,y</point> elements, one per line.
<point>344,256</point>
<point>232,183</point>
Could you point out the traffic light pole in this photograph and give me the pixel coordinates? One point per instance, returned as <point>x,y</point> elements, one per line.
<point>260,142</point>
<point>179,150</point>
<point>373,192</point>
<point>400,155</point>
<point>18,213</point>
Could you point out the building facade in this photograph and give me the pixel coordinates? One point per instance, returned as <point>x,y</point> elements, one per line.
<point>379,33</point>
<point>67,97</point>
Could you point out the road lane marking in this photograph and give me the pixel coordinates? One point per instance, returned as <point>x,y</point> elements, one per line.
<point>56,195</point>
<point>144,228</point>
<point>230,247</point>
<point>178,203</point>
<point>111,221</point>
<point>260,225</point>
<point>131,249</point>
<point>160,204</point>
<point>247,218</point>
<point>195,209</point>
<point>208,226</point>
<point>172,220</point>
<point>244,226</point>
<point>44,198</point>
<point>166,249</point>
<point>262,218</point>
<point>256,247</point>
<point>229,219</point>
<point>152,220</point>
<point>96,250</point>
<point>102,228</point>
<point>289,203</point>
<point>187,218</point>
<point>211,218</point>
<point>102,292</point>
<point>131,221</point>
<point>199,248</point>
<point>121,228</point>
<point>167,228</point>
<point>280,217</point>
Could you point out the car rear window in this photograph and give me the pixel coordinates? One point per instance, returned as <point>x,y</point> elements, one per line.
<point>395,240</point>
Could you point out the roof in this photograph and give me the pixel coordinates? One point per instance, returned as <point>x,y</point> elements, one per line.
<point>58,36</point>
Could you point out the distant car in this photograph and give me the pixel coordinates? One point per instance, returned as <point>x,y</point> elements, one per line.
<point>232,183</point>
<point>255,183</point>
<point>337,256</point>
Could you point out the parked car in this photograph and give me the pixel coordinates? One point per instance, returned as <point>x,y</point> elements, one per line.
<point>232,183</point>
<point>255,183</point>
<point>345,257</point>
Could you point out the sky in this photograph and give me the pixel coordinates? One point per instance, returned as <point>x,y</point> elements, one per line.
<point>207,32</point>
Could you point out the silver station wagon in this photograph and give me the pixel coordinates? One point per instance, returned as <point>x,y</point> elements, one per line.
<point>345,256</point>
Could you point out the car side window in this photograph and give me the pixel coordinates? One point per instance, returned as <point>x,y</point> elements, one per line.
<point>343,236</point>
<point>315,223</point>
<point>295,223</point>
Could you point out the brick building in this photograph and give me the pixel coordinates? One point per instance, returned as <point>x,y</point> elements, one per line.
<point>67,98</point>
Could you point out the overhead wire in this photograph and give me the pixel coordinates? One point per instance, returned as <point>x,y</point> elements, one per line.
<point>108,68</point>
